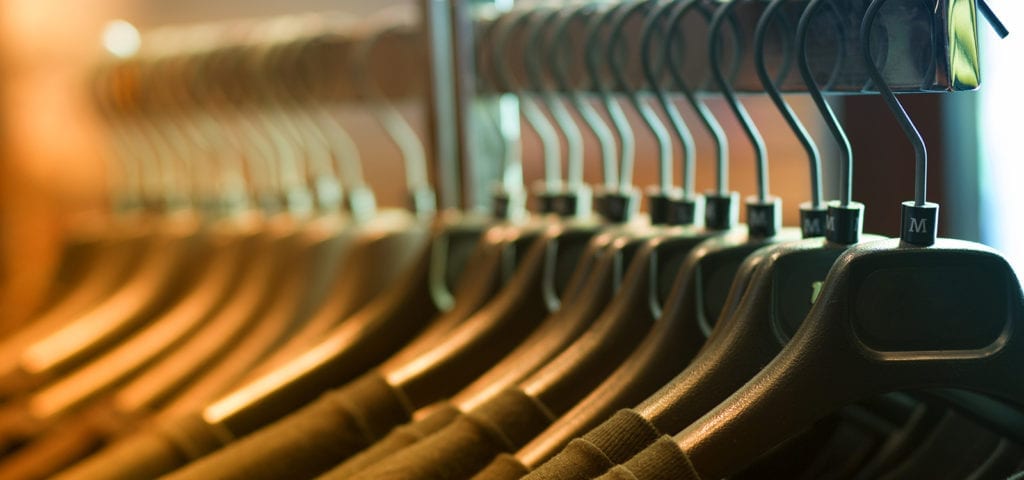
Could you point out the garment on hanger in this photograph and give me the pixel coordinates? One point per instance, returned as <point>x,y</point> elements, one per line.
<point>246,309</point>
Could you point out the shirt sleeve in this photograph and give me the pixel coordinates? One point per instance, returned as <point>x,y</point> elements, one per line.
<point>311,440</point>
<point>147,454</point>
<point>440,416</point>
<point>663,460</point>
<point>503,424</point>
<point>615,441</point>
<point>503,467</point>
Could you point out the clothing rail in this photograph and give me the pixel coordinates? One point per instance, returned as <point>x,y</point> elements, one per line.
<point>931,45</point>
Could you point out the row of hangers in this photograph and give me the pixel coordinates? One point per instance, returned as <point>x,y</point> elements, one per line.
<point>243,318</point>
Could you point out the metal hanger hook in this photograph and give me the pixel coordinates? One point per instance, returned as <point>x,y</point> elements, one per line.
<point>753,134</point>
<point>831,120</point>
<point>813,155</point>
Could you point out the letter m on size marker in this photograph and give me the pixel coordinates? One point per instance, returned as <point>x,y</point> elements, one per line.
<point>918,225</point>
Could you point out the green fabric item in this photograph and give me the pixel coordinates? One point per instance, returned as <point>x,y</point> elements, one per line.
<point>312,440</point>
<point>441,414</point>
<point>662,460</point>
<point>503,467</point>
<point>464,447</point>
<point>615,441</point>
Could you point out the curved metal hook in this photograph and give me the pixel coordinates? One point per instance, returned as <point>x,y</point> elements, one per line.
<point>501,30</point>
<point>605,138</point>
<point>627,143</point>
<point>753,134</point>
<point>707,118</point>
<point>345,153</point>
<point>648,115</point>
<point>906,124</point>
<point>538,32</point>
<point>651,27</point>
<point>550,143</point>
<point>414,155</point>
<point>813,155</point>
<point>846,151</point>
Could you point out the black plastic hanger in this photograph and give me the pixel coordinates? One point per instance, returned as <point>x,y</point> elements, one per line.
<point>595,280</point>
<point>781,291</point>
<point>229,242</point>
<point>696,293</point>
<point>892,315</point>
<point>485,336</point>
<point>652,255</point>
<point>656,256</point>
<point>397,235</point>
<point>116,260</point>
<point>555,260</point>
<point>360,342</point>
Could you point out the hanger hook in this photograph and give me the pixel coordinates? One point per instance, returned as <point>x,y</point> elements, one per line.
<point>575,199</point>
<point>919,216</point>
<point>648,115</point>
<point>845,149</point>
<point>753,134</point>
<point>535,117</point>
<point>674,60</point>
<point>561,43</point>
<point>651,27</point>
<point>845,217</point>
<point>812,227</point>
<point>594,58</point>
<point>414,156</point>
<point>512,177</point>
<point>535,36</point>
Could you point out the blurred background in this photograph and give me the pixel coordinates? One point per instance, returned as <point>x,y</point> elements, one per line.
<point>55,151</point>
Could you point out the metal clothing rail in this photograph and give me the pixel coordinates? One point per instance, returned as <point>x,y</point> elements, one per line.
<point>922,45</point>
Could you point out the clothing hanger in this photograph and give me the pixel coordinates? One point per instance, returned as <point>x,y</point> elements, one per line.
<point>157,284</point>
<point>291,246</point>
<point>678,334</point>
<point>229,243</point>
<point>118,244</point>
<point>561,248</point>
<point>248,311</point>
<point>547,269</point>
<point>752,328</point>
<point>310,251</point>
<point>48,453</point>
<point>973,348</point>
<point>599,272</point>
<point>367,335</point>
<point>587,292</point>
<point>273,395</point>
<point>394,234</point>
<point>633,243</point>
<point>618,330</point>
